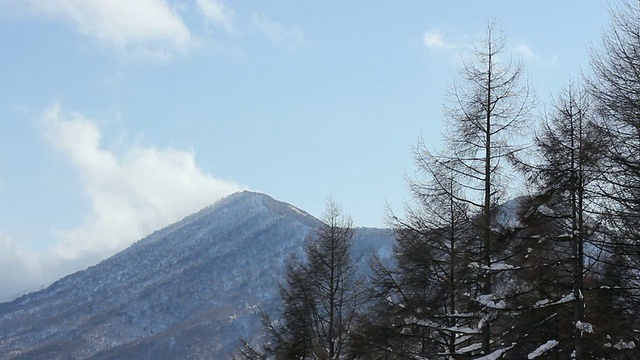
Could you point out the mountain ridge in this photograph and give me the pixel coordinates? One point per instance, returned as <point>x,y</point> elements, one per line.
<point>193,287</point>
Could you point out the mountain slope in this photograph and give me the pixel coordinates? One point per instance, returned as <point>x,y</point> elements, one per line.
<point>189,290</point>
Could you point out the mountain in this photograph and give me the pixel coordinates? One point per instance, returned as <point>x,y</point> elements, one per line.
<point>190,290</point>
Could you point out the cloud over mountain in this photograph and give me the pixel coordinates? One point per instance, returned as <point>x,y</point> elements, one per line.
<point>129,194</point>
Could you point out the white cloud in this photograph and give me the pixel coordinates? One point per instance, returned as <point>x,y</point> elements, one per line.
<point>36,270</point>
<point>14,260</point>
<point>434,39</point>
<point>217,13</point>
<point>149,28</point>
<point>277,32</point>
<point>131,194</point>
<point>525,51</point>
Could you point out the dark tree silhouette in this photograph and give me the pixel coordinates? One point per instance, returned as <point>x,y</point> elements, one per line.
<point>486,109</point>
<point>569,147</point>
<point>321,298</point>
<point>615,87</point>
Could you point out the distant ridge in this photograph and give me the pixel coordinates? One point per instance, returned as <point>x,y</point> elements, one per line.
<point>189,290</point>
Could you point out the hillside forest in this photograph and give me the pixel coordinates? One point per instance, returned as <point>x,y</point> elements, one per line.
<point>477,272</point>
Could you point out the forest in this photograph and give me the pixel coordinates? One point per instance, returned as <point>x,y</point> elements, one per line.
<point>477,273</point>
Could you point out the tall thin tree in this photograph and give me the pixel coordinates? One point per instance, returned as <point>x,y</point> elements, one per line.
<point>487,108</point>
<point>569,147</point>
<point>321,297</point>
<point>433,250</point>
<point>615,86</point>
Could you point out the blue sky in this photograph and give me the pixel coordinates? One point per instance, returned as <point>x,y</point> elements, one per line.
<point>119,117</point>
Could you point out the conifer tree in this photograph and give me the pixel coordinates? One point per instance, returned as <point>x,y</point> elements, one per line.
<point>568,148</point>
<point>427,291</point>
<point>321,298</point>
<point>486,109</point>
<point>615,87</point>
<point>440,291</point>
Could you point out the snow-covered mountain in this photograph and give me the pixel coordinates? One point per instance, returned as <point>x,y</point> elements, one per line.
<point>190,290</point>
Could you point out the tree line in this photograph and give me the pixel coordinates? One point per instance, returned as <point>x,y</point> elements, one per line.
<point>551,274</point>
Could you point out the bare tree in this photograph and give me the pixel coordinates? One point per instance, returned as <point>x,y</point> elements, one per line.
<point>615,87</point>
<point>487,108</point>
<point>321,297</point>
<point>453,227</point>
<point>569,148</point>
<point>427,292</point>
<point>337,293</point>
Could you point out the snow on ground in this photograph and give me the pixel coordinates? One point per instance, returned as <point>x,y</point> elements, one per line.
<point>542,349</point>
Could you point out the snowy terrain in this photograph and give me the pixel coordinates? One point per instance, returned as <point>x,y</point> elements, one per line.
<point>190,290</point>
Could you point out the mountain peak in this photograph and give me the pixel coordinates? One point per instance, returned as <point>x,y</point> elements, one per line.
<point>193,286</point>
<point>255,200</point>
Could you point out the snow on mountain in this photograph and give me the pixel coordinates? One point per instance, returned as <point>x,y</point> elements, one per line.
<point>190,290</point>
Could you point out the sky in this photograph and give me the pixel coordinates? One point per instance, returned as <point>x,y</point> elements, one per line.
<point>120,117</point>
